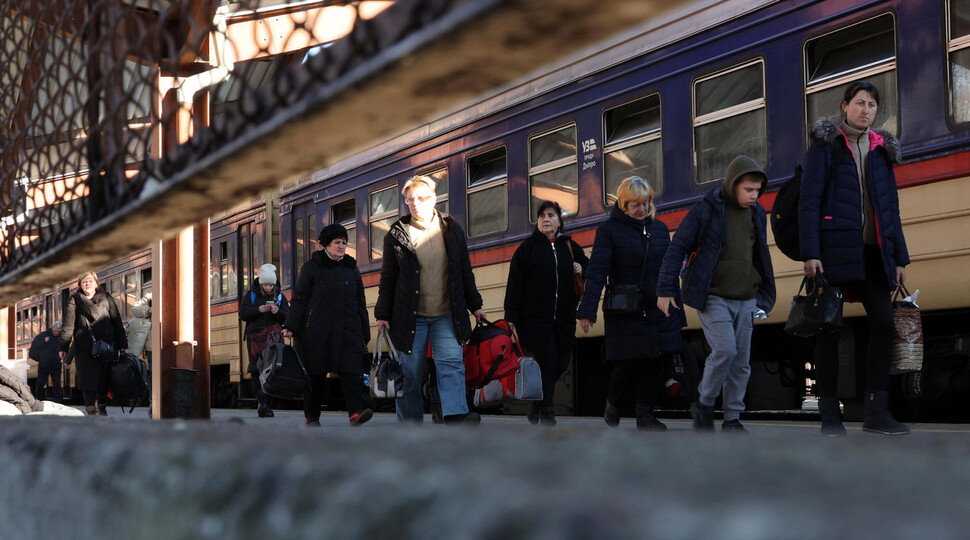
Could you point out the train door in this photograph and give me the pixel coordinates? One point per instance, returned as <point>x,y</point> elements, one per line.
<point>304,235</point>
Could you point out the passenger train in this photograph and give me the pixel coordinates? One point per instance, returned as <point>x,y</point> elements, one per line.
<point>673,102</point>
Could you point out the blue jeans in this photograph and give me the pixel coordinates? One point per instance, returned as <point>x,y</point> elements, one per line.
<point>447,360</point>
<point>727,326</point>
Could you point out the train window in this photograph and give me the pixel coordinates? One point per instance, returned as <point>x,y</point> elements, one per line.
<point>863,51</point>
<point>245,261</point>
<point>116,291</point>
<point>34,322</point>
<point>729,120</point>
<point>146,281</point>
<point>345,213</point>
<point>223,269</point>
<point>131,292</point>
<point>958,47</point>
<point>383,213</point>
<point>311,237</point>
<point>553,175</point>
<point>487,203</point>
<point>20,327</point>
<point>440,177</point>
<point>631,135</point>
<point>299,246</point>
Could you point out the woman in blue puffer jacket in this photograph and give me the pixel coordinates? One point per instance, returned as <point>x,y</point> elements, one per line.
<point>850,232</point>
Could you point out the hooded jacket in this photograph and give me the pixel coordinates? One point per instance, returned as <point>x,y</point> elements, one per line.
<point>617,258</point>
<point>399,290</point>
<point>699,244</point>
<point>830,206</point>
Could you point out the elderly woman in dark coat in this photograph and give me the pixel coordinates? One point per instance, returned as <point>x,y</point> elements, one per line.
<point>850,231</point>
<point>540,301</point>
<point>92,314</point>
<point>629,249</point>
<point>329,317</point>
<point>264,309</point>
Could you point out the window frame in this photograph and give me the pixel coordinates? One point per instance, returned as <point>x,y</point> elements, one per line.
<point>860,73</point>
<point>371,219</point>
<point>560,163</point>
<point>352,240</point>
<point>471,190</point>
<point>439,198</point>
<point>650,136</point>
<point>952,45</point>
<point>724,114</point>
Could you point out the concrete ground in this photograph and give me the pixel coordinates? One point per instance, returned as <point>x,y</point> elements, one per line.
<point>238,476</point>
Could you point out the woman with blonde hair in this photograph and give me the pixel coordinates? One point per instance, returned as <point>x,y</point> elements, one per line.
<point>627,252</point>
<point>92,321</point>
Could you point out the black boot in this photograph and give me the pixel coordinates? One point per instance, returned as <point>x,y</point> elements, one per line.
<point>646,421</point>
<point>703,416</point>
<point>535,411</point>
<point>611,414</point>
<point>877,419</point>
<point>828,409</point>
<point>547,416</point>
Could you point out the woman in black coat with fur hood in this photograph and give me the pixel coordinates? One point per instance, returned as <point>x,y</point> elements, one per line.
<point>540,301</point>
<point>329,317</point>
<point>92,314</point>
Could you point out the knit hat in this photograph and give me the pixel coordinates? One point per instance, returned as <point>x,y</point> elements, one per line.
<point>267,274</point>
<point>332,231</point>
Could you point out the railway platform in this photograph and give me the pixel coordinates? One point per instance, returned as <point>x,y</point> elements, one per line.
<point>239,476</point>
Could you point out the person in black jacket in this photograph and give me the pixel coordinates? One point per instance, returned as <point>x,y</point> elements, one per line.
<point>849,229</point>
<point>44,350</point>
<point>264,309</point>
<point>329,317</point>
<point>540,301</point>
<point>92,314</point>
<point>427,289</point>
<point>628,250</point>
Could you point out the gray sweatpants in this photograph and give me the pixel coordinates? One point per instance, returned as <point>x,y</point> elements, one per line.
<point>727,326</point>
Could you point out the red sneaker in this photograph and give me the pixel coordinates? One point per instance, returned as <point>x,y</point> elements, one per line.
<point>357,419</point>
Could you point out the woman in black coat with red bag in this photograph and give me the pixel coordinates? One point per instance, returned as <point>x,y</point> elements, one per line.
<point>92,315</point>
<point>328,316</point>
<point>540,301</point>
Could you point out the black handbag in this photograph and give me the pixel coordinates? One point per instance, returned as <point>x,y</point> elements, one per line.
<point>819,309</point>
<point>626,298</point>
<point>101,350</point>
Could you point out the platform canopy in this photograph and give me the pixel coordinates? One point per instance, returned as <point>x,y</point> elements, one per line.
<point>122,122</point>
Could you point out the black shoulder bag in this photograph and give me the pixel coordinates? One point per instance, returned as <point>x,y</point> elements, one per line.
<point>819,309</point>
<point>625,298</point>
<point>101,350</point>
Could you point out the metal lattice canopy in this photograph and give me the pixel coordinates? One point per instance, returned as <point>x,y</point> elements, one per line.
<point>123,122</point>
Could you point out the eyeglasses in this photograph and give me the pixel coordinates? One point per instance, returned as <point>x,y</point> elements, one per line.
<point>419,199</point>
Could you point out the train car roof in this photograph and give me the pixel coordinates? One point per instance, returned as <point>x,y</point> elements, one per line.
<point>671,27</point>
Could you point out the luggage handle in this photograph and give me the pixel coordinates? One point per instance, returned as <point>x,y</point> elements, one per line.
<point>515,334</point>
<point>382,338</point>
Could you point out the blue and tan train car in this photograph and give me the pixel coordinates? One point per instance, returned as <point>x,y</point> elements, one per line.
<point>674,103</point>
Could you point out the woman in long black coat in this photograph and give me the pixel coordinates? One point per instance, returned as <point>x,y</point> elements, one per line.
<point>92,314</point>
<point>540,301</point>
<point>264,309</point>
<point>329,317</point>
<point>634,342</point>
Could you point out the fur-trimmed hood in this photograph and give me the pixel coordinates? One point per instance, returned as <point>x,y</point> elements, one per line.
<point>825,130</point>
